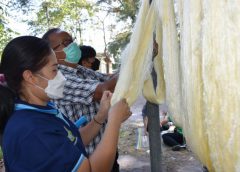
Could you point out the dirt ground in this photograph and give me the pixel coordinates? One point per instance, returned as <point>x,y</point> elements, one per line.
<point>134,160</point>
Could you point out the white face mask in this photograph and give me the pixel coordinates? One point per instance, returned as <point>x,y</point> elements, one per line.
<point>55,87</point>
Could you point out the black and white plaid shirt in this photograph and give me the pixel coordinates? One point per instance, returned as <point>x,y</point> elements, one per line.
<point>78,96</point>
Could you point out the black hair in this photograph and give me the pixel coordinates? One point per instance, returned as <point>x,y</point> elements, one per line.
<point>6,107</point>
<point>87,52</point>
<point>96,65</point>
<point>49,32</point>
<point>20,54</point>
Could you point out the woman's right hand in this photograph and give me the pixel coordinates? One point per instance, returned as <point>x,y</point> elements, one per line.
<point>105,104</point>
<point>119,111</point>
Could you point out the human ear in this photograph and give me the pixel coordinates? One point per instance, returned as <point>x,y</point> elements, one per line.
<point>28,77</point>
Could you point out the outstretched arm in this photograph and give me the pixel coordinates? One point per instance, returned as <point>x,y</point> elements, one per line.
<point>103,157</point>
<point>103,86</point>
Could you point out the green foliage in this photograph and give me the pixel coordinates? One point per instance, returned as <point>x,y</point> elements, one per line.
<point>118,44</point>
<point>125,11</point>
<point>6,33</point>
<point>72,15</point>
<point>20,3</point>
<point>128,10</point>
<point>67,14</point>
<point>48,16</point>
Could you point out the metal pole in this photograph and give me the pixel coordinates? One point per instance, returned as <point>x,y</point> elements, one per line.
<point>154,130</point>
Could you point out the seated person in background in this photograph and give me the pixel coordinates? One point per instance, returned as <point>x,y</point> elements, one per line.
<point>172,136</point>
<point>164,122</point>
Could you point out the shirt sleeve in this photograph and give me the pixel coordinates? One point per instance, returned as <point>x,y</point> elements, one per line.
<point>93,74</point>
<point>78,90</point>
<point>102,77</point>
<point>49,151</point>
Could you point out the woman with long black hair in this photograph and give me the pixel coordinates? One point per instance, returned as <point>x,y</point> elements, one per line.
<point>36,136</point>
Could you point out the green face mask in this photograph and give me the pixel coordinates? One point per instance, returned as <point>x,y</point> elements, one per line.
<point>73,53</point>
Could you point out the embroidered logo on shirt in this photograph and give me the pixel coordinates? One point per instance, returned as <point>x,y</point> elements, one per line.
<point>70,135</point>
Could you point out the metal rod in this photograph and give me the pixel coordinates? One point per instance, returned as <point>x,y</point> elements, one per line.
<point>154,132</point>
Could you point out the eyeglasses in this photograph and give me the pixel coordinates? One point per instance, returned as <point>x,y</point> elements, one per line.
<point>65,43</point>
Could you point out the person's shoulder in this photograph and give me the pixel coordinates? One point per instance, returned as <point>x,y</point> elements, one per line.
<point>71,74</point>
<point>66,69</point>
<point>83,70</point>
<point>19,126</point>
<point>91,74</point>
<point>27,124</point>
<point>21,118</point>
<point>27,120</point>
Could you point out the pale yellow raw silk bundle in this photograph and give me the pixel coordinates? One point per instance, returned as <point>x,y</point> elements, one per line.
<point>135,74</point>
<point>171,60</point>
<point>136,59</point>
<point>221,78</point>
<point>198,76</point>
<point>156,96</point>
<point>194,127</point>
<point>210,59</point>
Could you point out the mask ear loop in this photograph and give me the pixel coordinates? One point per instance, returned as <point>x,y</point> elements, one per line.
<point>42,78</point>
<point>61,59</point>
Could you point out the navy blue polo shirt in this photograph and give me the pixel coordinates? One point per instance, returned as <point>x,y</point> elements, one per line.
<point>37,141</point>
